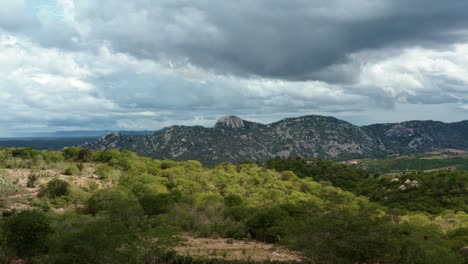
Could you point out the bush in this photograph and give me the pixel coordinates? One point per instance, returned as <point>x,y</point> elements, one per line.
<point>154,204</point>
<point>25,153</point>
<point>72,153</point>
<point>265,224</point>
<point>7,186</point>
<point>71,170</point>
<point>108,155</point>
<point>80,166</point>
<point>104,171</point>
<point>32,179</point>
<point>118,203</point>
<point>56,188</point>
<point>232,200</point>
<point>26,233</point>
<point>85,155</point>
<point>102,241</point>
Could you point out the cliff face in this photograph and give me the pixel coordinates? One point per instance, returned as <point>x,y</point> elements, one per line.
<point>236,140</point>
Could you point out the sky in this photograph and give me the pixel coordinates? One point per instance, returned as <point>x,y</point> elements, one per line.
<point>144,64</point>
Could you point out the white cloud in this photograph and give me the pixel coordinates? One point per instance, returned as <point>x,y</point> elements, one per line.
<point>141,65</point>
<point>418,73</point>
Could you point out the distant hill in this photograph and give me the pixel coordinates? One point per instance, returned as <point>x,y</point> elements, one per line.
<point>60,139</point>
<point>44,143</point>
<point>81,133</point>
<point>237,140</point>
<point>420,136</point>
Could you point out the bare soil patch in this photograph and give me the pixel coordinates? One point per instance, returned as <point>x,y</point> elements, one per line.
<point>22,198</point>
<point>229,249</point>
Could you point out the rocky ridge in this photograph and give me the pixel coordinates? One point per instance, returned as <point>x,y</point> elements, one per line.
<point>236,140</point>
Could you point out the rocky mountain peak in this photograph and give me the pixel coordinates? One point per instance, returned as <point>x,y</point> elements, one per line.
<point>230,121</point>
<point>235,140</point>
<point>111,135</point>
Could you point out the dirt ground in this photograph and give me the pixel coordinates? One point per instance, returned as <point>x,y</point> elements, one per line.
<point>21,200</point>
<point>229,249</point>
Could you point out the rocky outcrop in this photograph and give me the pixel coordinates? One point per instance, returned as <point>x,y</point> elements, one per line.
<point>230,121</point>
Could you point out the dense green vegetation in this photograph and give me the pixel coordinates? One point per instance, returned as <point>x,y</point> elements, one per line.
<point>415,163</point>
<point>135,210</point>
<point>431,192</point>
<point>344,176</point>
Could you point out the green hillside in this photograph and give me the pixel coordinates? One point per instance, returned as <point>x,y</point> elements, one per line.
<point>82,206</point>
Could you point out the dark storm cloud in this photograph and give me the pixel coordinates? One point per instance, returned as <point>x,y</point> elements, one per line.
<point>294,40</point>
<point>145,64</point>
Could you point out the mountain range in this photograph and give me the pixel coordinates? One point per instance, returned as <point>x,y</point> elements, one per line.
<point>236,140</point>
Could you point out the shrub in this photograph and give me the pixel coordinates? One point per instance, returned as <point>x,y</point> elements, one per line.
<point>265,224</point>
<point>93,186</point>
<point>165,165</point>
<point>104,171</point>
<point>71,153</point>
<point>26,233</point>
<point>85,155</point>
<point>56,188</point>
<point>108,155</point>
<point>71,170</point>
<point>24,153</point>
<point>118,203</point>
<point>32,179</point>
<point>154,204</point>
<point>80,166</point>
<point>103,241</point>
<point>7,186</point>
<point>232,200</point>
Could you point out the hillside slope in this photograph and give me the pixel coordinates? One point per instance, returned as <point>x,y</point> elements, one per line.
<point>81,206</point>
<point>236,140</point>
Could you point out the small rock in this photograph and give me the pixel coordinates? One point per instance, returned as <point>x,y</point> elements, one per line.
<point>415,184</point>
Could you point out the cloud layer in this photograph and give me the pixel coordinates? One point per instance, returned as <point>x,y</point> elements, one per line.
<point>145,64</point>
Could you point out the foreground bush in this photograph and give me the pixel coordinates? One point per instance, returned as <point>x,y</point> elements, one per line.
<point>102,241</point>
<point>26,233</point>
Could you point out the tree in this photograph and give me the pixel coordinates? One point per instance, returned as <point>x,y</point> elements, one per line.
<point>26,233</point>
